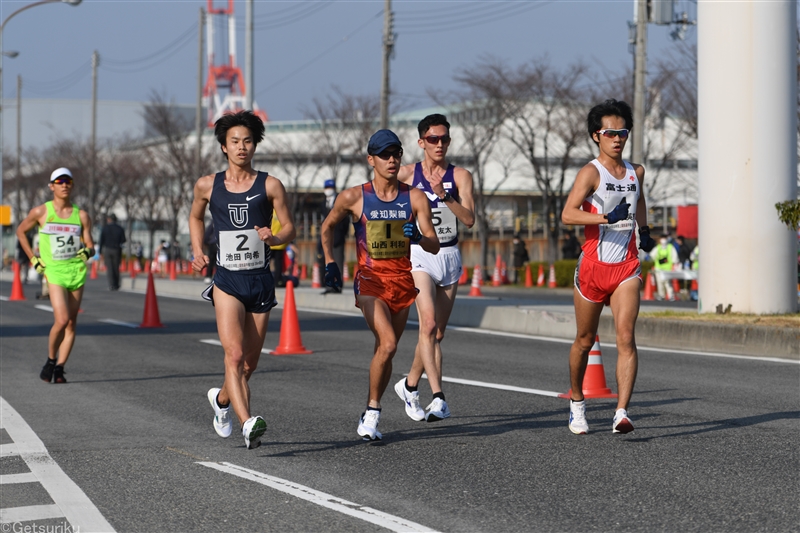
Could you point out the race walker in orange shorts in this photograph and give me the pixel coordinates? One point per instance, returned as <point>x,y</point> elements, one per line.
<point>384,212</point>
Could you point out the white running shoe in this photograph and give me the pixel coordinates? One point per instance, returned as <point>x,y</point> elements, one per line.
<point>577,417</point>
<point>252,430</point>
<point>222,417</point>
<point>437,410</point>
<point>368,425</point>
<point>411,399</point>
<point>622,424</point>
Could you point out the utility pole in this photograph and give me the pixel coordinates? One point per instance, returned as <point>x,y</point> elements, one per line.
<point>640,67</point>
<point>19,148</point>
<point>388,46</point>
<point>198,119</point>
<point>248,56</point>
<point>93,167</point>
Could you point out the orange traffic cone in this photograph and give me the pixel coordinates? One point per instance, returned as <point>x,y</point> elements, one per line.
<point>694,285</point>
<point>649,287</point>
<point>93,271</point>
<point>551,281</point>
<point>528,276</point>
<point>290,342</point>
<point>345,272</point>
<point>497,280</point>
<point>464,279</point>
<point>475,290</point>
<point>123,266</point>
<point>316,281</point>
<point>676,286</point>
<point>540,277</point>
<point>173,275</point>
<point>131,269</point>
<point>504,273</point>
<point>17,293</point>
<point>148,266</point>
<point>296,270</point>
<point>594,380</point>
<point>103,267</point>
<point>303,272</point>
<point>151,319</point>
<point>137,266</point>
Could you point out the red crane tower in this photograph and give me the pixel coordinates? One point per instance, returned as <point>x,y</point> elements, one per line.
<point>224,91</point>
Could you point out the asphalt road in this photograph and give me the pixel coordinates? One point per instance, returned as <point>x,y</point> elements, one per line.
<point>715,446</point>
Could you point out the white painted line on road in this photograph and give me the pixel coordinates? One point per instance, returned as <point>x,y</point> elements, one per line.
<point>215,342</point>
<point>44,308</point>
<point>13,479</point>
<point>373,516</point>
<point>497,386</point>
<point>5,299</point>
<point>8,450</point>
<point>69,499</point>
<point>119,323</point>
<point>728,355</point>
<point>11,515</point>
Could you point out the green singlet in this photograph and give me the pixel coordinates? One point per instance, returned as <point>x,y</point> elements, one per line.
<point>59,242</point>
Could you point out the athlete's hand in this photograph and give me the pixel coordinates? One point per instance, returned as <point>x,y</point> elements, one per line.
<point>411,231</point>
<point>265,234</point>
<point>37,264</point>
<point>85,253</point>
<point>646,242</point>
<point>199,262</point>
<point>333,276</point>
<point>619,213</point>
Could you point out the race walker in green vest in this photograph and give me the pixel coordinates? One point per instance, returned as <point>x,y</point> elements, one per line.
<point>65,244</point>
<point>664,257</point>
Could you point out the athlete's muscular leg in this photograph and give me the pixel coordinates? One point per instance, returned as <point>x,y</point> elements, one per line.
<point>231,328</point>
<point>255,331</point>
<point>65,305</point>
<point>587,316</point>
<point>387,329</point>
<point>425,352</point>
<point>445,298</point>
<point>625,307</point>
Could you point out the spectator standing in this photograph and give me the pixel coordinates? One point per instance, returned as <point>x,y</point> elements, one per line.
<point>664,256</point>
<point>571,248</point>
<point>519,256</point>
<point>112,237</point>
<point>162,256</point>
<point>339,233</point>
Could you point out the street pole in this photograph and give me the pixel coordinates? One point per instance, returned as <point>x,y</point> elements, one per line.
<point>640,67</point>
<point>198,119</point>
<point>19,148</point>
<point>388,45</point>
<point>93,166</point>
<point>248,56</point>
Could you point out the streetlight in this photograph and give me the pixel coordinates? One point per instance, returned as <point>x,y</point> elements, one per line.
<point>13,54</point>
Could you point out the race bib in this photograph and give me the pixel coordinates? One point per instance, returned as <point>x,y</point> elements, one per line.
<point>65,240</point>
<point>623,225</point>
<point>385,239</point>
<point>241,250</point>
<point>445,223</point>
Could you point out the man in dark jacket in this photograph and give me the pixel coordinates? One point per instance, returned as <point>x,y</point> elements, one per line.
<point>110,247</point>
<point>339,233</point>
<point>519,256</point>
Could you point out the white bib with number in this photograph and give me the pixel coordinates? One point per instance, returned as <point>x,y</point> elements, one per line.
<point>65,240</point>
<point>445,223</point>
<point>241,250</point>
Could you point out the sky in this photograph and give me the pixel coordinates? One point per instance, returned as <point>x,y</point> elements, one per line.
<point>304,48</point>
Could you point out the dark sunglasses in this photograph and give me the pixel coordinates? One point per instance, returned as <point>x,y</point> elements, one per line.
<point>63,181</point>
<point>623,134</point>
<point>434,139</point>
<point>386,154</point>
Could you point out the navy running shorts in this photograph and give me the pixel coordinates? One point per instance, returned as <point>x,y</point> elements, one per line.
<point>255,291</point>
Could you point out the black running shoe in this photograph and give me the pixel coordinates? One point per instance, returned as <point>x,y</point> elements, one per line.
<point>58,374</point>
<point>46,374</point>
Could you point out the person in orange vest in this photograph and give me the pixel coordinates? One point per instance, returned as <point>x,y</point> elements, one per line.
<point>608,200</point>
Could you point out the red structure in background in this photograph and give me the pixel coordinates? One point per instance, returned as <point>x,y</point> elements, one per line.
<point>224,91</point>
<point>687,221</point>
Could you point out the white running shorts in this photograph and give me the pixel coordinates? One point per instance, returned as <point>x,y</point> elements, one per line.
<point>444,268</point>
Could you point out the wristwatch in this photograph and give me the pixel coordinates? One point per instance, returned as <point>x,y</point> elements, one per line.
<point>447,196</point>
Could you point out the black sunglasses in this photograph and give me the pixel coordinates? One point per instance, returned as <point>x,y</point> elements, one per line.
<point>434,139</point>
<point>386,154</point>
<point>63,181</point>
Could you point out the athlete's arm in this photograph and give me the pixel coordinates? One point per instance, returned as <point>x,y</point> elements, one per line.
<point>346,203</point>
<point>202,193</point>
<point>27,224</point>
<point>86,222</point>
<point>287,233</point>
<point>641,204</point>
<point>586,182</point>
<point>422,213</point>
<point>406,174</point>
<point>464,207</point>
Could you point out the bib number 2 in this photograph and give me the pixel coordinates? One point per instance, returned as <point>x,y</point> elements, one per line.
<point>241,250</point>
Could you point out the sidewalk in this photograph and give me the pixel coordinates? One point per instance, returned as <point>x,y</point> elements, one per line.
<point>541,314</point>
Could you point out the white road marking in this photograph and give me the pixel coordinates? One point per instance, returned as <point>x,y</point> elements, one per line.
<point>5,299</point>
<point>44,308</point>
<point>13,479</point>
<point>497,386</point>
<point>373,516</point>
<point>7,450</point>
<point>119,323</point>
<point>215,342</point>
<point>70,501</point>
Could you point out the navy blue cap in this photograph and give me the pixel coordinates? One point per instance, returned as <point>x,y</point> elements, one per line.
<point>329,184</point>
<point>381,140</point>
